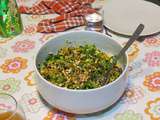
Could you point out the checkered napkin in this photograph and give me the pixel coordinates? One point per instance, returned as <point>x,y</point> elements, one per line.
<point>71,14</point>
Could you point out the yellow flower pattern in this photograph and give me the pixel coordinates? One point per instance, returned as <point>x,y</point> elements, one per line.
<point>153,109</point>
<point>29,78</point>
<point>56,114</point>
<point>133,51</point>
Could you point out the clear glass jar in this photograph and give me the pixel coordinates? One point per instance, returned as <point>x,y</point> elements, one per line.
<point>10,109</point>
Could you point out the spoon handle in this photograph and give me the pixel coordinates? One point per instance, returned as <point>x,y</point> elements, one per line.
<point>134,37</point>
<point>114,59</point>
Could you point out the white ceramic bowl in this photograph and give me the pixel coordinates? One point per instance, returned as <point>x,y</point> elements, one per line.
<point>81,101</point>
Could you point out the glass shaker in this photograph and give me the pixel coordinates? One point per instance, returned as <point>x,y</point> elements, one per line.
<point>10,19</point>
<point>94,22</point>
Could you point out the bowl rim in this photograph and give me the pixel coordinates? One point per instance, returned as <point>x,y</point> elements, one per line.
<point>79,90</point>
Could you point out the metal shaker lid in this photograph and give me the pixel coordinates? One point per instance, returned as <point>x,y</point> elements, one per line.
<point>94,17</point>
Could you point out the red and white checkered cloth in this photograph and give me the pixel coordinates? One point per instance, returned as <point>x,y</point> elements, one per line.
<point>71,14</point>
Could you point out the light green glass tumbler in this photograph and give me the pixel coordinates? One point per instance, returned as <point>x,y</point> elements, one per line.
<point>10,19</point>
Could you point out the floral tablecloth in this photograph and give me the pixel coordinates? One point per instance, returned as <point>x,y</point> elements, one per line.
<point>141,100</point>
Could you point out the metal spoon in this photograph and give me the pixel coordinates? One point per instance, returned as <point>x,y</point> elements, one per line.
<point>115,58</point>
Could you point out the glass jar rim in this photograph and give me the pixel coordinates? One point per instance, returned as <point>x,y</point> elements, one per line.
<point>15,101</point>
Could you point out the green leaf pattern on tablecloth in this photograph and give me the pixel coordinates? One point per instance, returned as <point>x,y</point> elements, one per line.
<point>3,52</point>
<point>31,102</point>
<point>10,85</point>
<point>128,115</point>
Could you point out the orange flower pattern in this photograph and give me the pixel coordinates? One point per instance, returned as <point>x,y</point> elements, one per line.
<point>152,41</point>
<point>14,65</point>
<point>56,114</point>
<point>153,109</point>
<point>30,29</point>
<point>46,37</point>
<point>152,82</point>
<point>5,40</point>
<point>23,46</point>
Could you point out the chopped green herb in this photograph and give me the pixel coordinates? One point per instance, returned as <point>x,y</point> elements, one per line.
<point>81,67</point>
